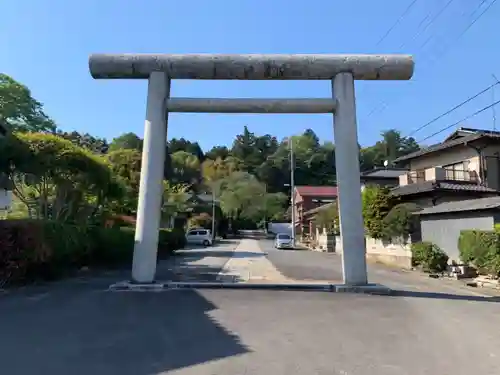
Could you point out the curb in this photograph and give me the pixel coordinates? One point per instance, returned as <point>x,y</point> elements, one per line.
<point>126,286</point>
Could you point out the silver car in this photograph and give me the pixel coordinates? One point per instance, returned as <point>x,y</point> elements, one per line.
<point>283,241</point>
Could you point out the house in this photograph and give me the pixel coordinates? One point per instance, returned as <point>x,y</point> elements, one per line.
<point>465,166</point>
<point>388,177</point>
<point>441,224</point>
<point>308,198</point>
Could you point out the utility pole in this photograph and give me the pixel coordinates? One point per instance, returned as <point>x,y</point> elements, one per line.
<point>213,212</point>
<point>493,101</point>
<point>292,187</point>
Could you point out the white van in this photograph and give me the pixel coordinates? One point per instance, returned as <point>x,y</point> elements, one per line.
<point>199,236</point>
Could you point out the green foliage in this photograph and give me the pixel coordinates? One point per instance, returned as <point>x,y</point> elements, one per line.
<point>36,249</point>
<point>57,180</point>
<point>19,110</point>
<point>328,218</point>
<point>170,240</point>
<point>429,257</point>
<point>203,220</point>
<point>376,205</point>
<point>400,222</point>
<point>127,141</point>
<point>86,141</point>
<point>481,248</point>
<point>390,147</point>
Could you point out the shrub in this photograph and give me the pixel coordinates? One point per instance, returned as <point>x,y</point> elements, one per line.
<point>429,257</point>
<point>170,240</point>
<point>481,248</point>
<point>36,249</point>
<point>112,247</point>
<point>376,204</point>
<point>400,221</point>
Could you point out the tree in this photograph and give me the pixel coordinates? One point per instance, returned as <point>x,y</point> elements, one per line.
<point>185,168</point>
<point>215,170</point>
<point>58,180</point>
<point>327,218</point>
<point>391,147</point>
<point>175,199</point>
<point>377,203</point>
<point>126,141</point>
<point>125,165</point>
<point>217,152</point>
<point>182,144</point>
<point>96,145</point>
<point>243,196</point>
<point>19,110</point>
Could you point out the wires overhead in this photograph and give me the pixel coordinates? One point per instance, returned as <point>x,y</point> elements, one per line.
<point>461,120</point>
<point>405,12</point>
<point>442,52</point>
<point>433,19</point>
<point>453,109</point>
<point>468,27</point>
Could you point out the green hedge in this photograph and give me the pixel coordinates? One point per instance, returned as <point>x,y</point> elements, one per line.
<point>481,249</point>
<point>37,249</point>
<point>429,257</point>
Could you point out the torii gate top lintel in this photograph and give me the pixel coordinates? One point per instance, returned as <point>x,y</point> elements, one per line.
<point>251,66</point>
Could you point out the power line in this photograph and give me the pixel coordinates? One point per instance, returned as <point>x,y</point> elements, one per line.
<point>405,12</point>
<point>453,109</point>
<point>461,120</point>
<point>467,28</point>
<point>433,19</point>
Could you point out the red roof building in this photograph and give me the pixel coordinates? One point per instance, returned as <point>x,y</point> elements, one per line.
<point>308,198</point>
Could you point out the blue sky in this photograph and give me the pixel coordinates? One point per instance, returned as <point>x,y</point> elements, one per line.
<point>46,45</point>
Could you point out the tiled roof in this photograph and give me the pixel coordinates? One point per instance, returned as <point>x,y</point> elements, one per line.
<point>465,205</point>
<point>383,173</point>
<point>445,145</point>
<point>318,209</point>
<point>317,191</point>
<point>428,186</point>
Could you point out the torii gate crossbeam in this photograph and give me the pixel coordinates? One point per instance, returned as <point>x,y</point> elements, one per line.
<point>341,70</point>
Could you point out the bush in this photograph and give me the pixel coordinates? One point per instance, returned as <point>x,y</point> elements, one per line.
<point>44,250</point>
<point>429,257</point>
<point>400,221</point>
<point>481,248</point>
<point>377,202</point>
<point>169,241</point>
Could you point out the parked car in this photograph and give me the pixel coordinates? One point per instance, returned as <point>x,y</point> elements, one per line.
<point>199,236</point>
<point>283,241</point>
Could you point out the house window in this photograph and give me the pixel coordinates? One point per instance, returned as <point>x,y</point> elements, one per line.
<point>457,171</point>
<point>416,177</point>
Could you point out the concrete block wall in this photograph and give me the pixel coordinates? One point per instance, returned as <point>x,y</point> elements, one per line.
<point>388,253</point>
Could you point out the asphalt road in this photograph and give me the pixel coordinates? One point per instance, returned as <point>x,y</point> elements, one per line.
<point>312,265</point>
<point>78,327</point>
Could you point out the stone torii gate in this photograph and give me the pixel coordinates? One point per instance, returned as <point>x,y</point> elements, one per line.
<point>341,70</point>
